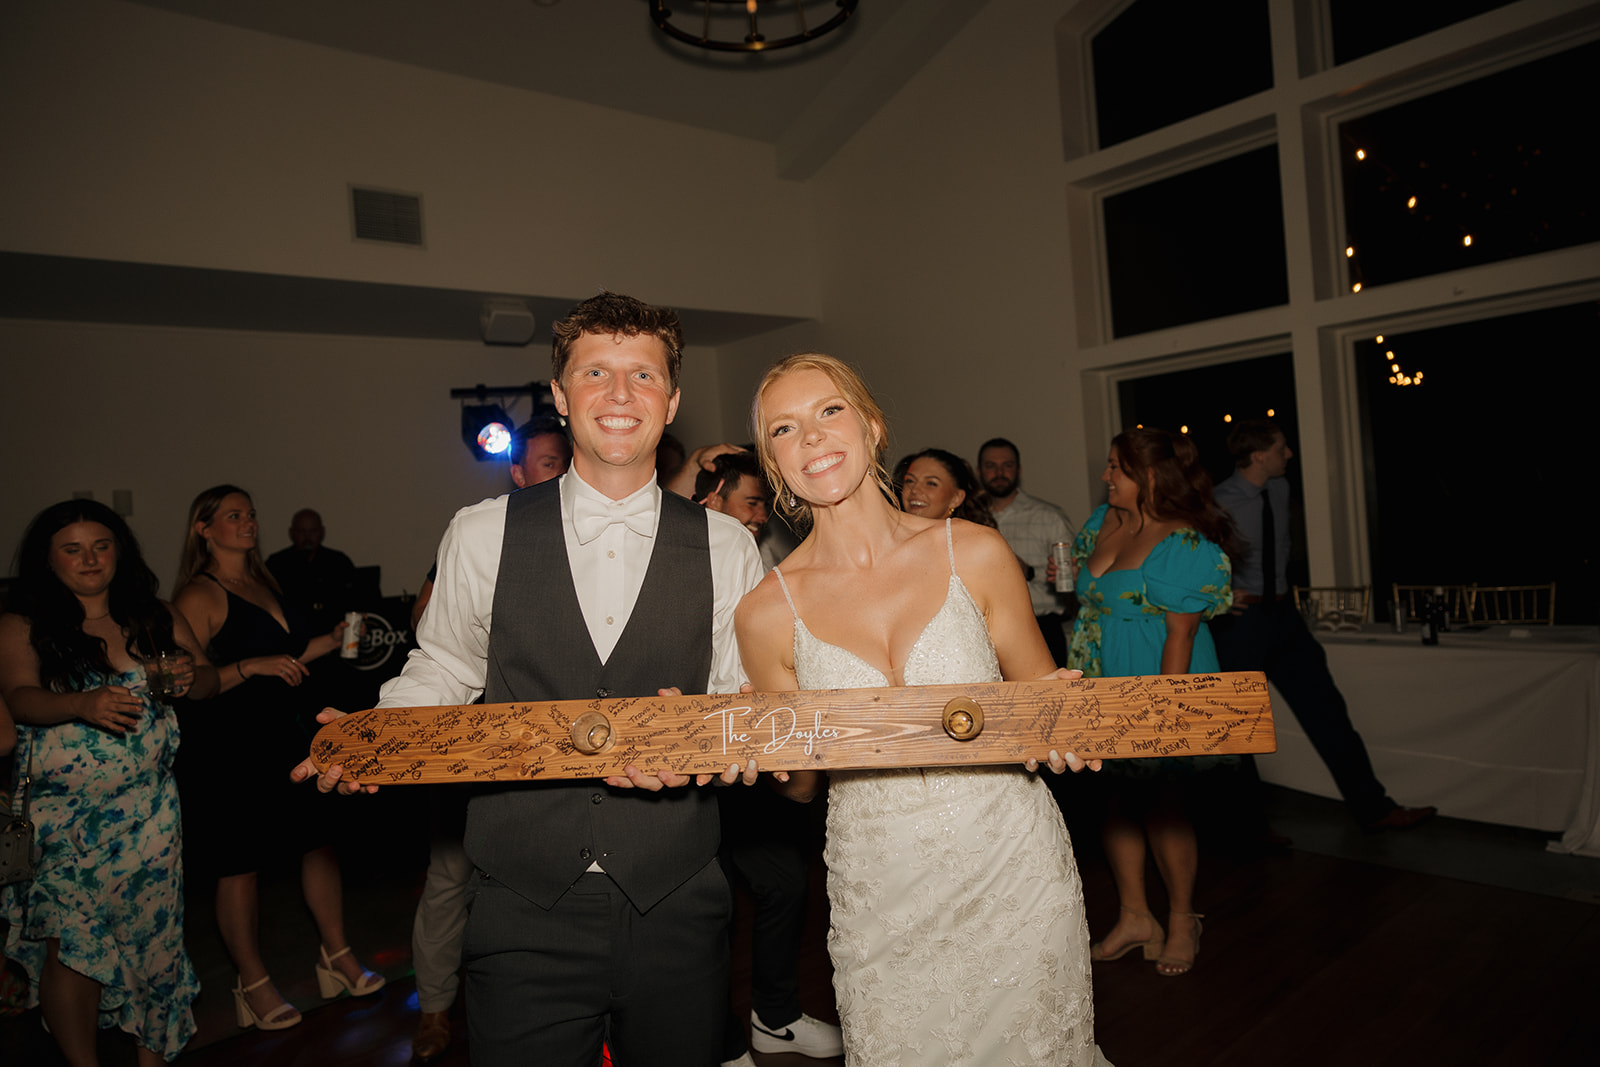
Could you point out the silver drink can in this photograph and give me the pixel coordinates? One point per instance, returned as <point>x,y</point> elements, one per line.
<point>353,626</point>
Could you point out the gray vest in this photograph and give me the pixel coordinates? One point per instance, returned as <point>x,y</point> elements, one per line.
<point>538,838</point>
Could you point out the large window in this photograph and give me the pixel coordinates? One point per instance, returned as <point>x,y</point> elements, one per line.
<point>1361,27</point>
<point>1479,446</point>
<point>1219,52</point>
<point>1500,167</point>
<point>1216,230</point>
<point>1198,245</point>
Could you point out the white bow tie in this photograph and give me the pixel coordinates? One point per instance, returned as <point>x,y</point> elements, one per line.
<point>591,517</point>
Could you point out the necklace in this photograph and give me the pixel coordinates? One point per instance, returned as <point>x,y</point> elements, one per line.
<point>96,618</point>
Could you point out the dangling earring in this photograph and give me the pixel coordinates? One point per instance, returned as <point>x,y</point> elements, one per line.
<point>791,498</point>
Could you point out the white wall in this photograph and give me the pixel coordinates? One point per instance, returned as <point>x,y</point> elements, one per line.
<point>139,135</point>
<point>942,234</point>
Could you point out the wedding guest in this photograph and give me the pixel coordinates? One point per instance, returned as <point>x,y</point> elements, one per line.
<point>934,483</point>
<point>243,812</point>
<point>1030,526</point>
<point>99,928</point>
<point>1151,569</point>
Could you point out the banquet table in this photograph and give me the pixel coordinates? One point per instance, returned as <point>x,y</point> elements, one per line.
<point>1499,724</point>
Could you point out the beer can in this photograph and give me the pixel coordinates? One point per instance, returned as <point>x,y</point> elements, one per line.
<point>352,635</point>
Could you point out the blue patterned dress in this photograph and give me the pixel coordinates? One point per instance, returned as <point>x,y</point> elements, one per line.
<point>1122,617</point>
<point>110,878</point>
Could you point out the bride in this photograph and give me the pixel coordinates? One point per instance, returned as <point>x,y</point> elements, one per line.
<point>957,932</point>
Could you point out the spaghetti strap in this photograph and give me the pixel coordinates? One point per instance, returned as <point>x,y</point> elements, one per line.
<point>785,587</point>
<point>950,544</point>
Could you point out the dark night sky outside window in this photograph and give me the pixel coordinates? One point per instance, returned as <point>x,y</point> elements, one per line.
<point>1198,245</point>
<point>1163,61</point>
<point>1361,27</point>
<point>1510,161</point>
<point>1484,472</point>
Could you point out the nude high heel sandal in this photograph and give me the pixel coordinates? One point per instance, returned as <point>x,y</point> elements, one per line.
<point>331,981</point>
<point>1152,947</point>
<point>1175,967</point>
<point>280,1018</point>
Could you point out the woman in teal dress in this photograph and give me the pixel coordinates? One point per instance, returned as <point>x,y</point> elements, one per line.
<point>99,929</point>
<point>1151,569</point>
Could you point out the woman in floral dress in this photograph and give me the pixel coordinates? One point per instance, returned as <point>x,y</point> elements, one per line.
<point>1151,569</point>
<point>99,929</point>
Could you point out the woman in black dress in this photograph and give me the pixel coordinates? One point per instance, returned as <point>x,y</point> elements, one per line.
<point>243,810</point>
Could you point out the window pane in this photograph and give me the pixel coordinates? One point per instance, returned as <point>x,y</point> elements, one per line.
<point>1162,61</point>
<point>1481,472</point>
<point>1498,168</point>
<point>1361,27</point>
<point>1198,245</point>
<point>1205,399</point>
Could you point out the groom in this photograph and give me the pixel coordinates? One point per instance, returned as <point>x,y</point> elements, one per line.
<point>599,910</point>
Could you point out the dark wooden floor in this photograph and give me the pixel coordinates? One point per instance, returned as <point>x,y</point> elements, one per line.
<point>1307,959</point>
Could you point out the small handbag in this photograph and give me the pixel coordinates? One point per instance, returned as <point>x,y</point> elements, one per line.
<point>17,861</point>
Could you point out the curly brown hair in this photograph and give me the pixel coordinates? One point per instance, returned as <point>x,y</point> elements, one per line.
<point>612,315</point>
<point>1173,486</point>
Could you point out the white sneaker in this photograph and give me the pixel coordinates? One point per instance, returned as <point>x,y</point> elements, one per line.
<point>743,1061</point>
<point>805,1035</point>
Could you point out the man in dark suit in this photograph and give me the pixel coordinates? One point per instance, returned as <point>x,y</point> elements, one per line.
<point>599,912</point>
<point>1264,632</point>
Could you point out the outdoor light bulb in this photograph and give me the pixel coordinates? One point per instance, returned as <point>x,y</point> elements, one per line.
<point>1183,429</point>
<point>1227,418</point>
<point>1270,413</point>
<point>1379,339</point>
<point>1389,354</point>
<point>1361,153</point>
<point>1395,367</point>
<point>1356,288</point>
<point>1391,380</point>
<point>1349,250</point>
<point>1466,242</point>
<point>1412,202</point>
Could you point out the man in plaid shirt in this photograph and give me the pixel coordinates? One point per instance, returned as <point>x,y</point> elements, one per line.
<point>1030,526</point>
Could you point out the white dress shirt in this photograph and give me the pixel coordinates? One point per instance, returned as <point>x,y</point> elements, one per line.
<point>450,663</point>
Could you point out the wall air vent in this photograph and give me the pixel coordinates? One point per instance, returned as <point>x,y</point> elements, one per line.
<point>395,218</point>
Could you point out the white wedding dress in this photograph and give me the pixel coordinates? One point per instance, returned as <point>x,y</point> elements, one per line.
<point>958,934</point>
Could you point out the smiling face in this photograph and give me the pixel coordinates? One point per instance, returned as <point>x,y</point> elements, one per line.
<point>823,447</point>
<point>618,398</point>
<point>233,527</point>
<point>930,490</point>
<point>746,501</point>
<point>84,557</point>
<point>1122,492</point>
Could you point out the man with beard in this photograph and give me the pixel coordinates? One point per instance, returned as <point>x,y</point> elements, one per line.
<point>1030,526</point>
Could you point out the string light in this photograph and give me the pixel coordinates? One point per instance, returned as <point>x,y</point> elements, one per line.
<point>1227,418</point>
<point>1466,242</point>
<point>1361,153</point>
<point>1379,339</point>
<point>1270,413</point>
<point>1349,250</point>
<point>1356,288</point>
<point>1183,429</point>
<point>1412,202</point>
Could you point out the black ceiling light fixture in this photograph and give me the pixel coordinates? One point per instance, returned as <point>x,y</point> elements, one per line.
<point>487,428</point>
<point>735,25</point>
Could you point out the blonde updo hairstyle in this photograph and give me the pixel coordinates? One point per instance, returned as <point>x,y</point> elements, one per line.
<point>851,386</point>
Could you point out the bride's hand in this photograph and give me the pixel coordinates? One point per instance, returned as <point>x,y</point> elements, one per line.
<point>1058,763</point>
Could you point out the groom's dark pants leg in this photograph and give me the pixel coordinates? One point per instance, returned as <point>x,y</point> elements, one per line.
<point>547,987</point>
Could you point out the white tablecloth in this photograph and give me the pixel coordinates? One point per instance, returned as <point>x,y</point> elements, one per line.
<point>1499,725</point>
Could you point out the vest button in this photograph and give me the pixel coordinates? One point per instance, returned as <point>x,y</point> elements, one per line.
<point>595,798</point>
<point>602,692</point>
<point>585,854</point>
